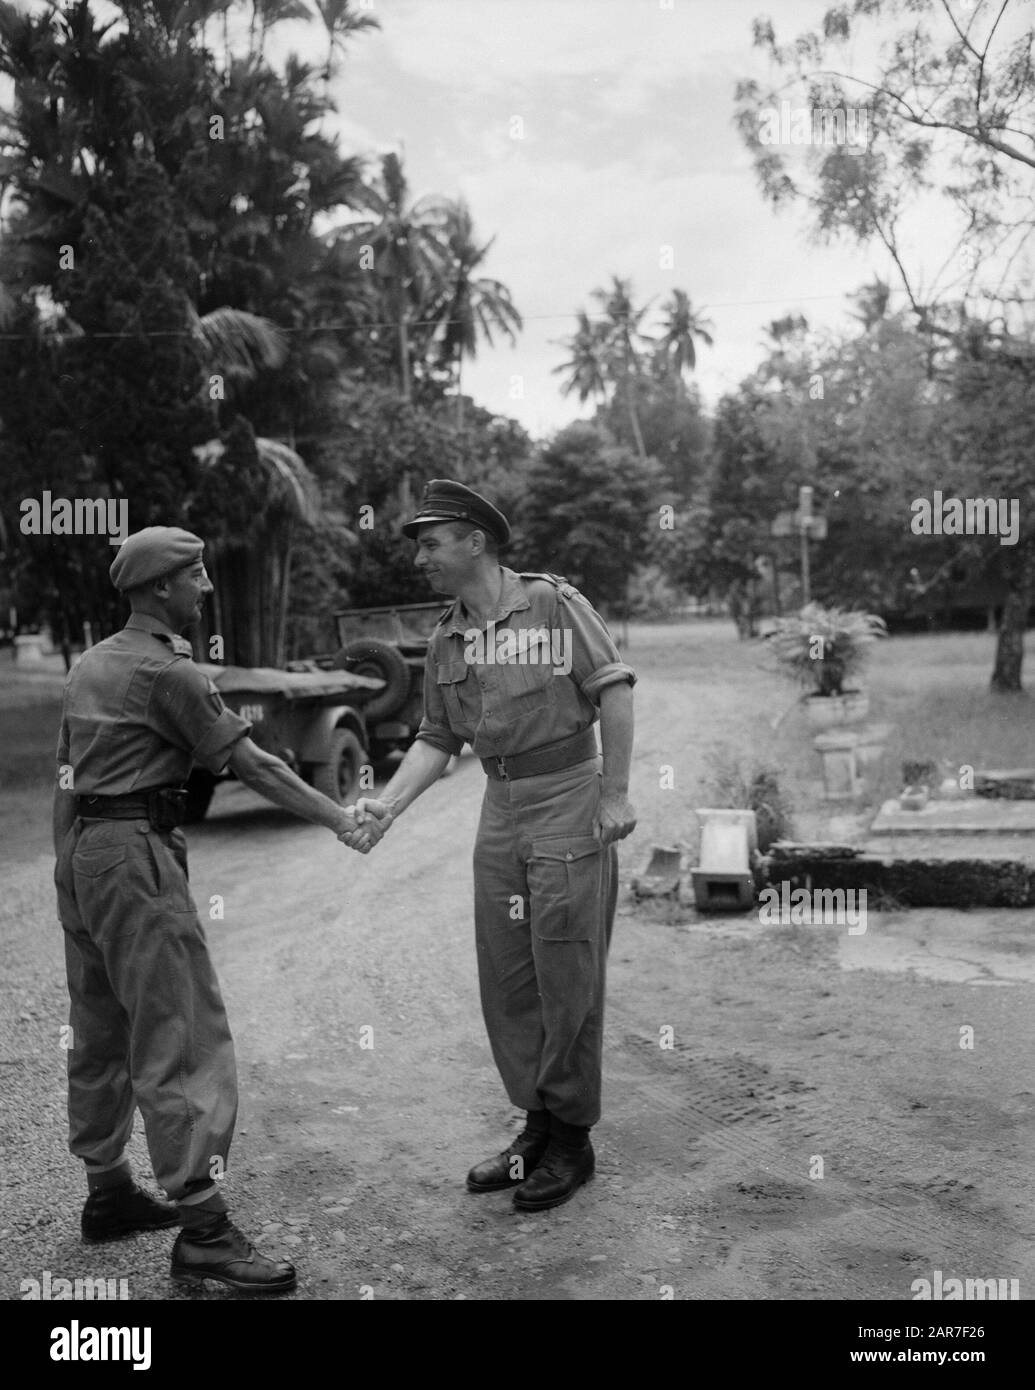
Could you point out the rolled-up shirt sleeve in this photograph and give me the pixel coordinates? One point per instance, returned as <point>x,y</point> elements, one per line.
<point>192,715</point>
<point>435,727</point>
<point>596,661</point>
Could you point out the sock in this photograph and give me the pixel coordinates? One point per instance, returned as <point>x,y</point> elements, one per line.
<point>537,1122</point>
<point>568,1136</point>
<point>101,1179</point>
<point>200,1218</point>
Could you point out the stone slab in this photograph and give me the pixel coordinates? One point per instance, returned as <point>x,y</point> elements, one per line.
<point>971,816</point>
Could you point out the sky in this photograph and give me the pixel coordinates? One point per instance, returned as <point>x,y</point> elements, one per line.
<point>586,136</point>
<point>592,138</point>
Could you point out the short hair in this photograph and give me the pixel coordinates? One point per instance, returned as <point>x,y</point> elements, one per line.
<point>461,529</point>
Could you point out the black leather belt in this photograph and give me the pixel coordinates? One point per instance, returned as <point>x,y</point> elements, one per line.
<point>554,757</point>
<point>164,807</point>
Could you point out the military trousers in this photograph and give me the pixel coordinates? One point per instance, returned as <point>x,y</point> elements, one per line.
<point>148,1026</point>
<point>545,890</point>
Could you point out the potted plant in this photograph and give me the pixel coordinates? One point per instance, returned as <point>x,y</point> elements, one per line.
<point>824,649</point>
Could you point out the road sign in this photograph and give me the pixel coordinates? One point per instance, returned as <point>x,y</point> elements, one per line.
<point>790,524</point>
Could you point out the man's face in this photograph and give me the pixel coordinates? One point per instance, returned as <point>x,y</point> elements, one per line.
<point>187,590</point>
<point>444,558</point>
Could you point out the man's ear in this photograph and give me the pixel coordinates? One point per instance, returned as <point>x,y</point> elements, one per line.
<point>478,542</point>
<point>160,587</point>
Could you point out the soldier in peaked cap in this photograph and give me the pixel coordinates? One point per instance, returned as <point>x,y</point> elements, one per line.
<point>148,1027</point>
<point>521,667</point>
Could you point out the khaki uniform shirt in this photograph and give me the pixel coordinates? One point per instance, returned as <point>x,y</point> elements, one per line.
<point>507,690</point>
<point>138,712</point>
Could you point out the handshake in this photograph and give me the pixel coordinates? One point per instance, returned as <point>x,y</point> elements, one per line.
<point>364,824</point>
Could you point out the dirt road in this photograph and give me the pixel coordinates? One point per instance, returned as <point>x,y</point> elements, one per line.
<point>789,1112</point>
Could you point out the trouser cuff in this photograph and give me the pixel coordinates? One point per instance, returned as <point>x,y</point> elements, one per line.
<point>537,1122</point>
<point>200,1216</point>
<point>108,1175</point>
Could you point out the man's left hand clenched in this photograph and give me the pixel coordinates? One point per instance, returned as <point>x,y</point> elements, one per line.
<point>615,818</point>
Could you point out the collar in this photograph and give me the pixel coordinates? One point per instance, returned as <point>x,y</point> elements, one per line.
<point>512,600</point>
<point>143,622</point>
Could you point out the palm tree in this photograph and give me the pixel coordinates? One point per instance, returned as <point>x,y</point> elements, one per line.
<point>469,305</point>
<point>341,23</point>
<point>266,14</point>
<point>606,353</point>
<point>587,368</point>
<point>409,253</point>
<point>683,324</point>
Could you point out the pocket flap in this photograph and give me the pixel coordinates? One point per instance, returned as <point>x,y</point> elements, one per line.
<point>566,847</point>
<point>450,672</point>
<point>94,862</point>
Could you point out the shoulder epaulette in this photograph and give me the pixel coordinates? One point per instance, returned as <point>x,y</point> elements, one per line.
<point>557,580</point>
<point>180,645</point>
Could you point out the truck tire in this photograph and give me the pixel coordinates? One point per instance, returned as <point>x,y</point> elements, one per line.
<point>338,777</point>
<point>201,786</point>
<point>373,657</point>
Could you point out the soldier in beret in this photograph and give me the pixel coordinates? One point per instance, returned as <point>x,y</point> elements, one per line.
<point>148,1027</point>
<point>521,667</point>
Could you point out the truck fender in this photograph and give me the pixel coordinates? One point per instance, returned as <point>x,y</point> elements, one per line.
<point>315,747</point>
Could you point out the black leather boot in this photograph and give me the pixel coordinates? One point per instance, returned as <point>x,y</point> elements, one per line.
<point>557,1177</point>
<point>222,1252</point>
<point>510,1167</point>
<point>115,1212</point>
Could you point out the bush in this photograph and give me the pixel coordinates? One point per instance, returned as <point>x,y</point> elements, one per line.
<point>750,784</point>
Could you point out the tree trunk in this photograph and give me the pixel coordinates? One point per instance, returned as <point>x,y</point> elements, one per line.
<point>1009,653</point>
<point>634,420</point>
<point>404,360</point>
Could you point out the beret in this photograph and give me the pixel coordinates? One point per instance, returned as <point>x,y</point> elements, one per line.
<point>154,551</point>
<point>445,500</point>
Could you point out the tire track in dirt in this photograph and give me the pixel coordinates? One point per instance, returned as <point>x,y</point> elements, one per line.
<point>721,1096</point>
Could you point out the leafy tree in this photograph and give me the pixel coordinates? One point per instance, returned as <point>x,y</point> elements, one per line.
<point>948,109</point>
<point>586,513</point>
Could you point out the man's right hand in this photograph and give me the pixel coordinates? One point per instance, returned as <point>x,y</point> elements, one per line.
<point>371,820</point>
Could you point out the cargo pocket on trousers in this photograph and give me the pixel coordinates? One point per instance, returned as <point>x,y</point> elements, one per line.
<point>564,879</point>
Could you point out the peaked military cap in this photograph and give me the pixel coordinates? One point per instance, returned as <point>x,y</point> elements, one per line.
<point>445,500</point>
<point>152,552</point>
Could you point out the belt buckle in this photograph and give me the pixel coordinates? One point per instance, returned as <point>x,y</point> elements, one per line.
<point>501,769</point>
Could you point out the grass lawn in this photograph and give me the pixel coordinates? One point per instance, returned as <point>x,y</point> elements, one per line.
<point>933,689</point>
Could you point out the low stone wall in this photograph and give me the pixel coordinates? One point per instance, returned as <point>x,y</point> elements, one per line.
<point>1006,786</point>
<point>911,882</point>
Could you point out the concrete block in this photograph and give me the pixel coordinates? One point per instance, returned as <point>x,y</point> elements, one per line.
<point>838,749</point>
<point>723,880</point>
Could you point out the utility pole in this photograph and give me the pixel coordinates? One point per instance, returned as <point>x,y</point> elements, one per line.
<point>804,525</point>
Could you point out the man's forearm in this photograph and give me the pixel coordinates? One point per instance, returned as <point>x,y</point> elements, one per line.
<point>277,783</point>
<point>64,815</point>
<point>616,735</point>
<point>422,766</point>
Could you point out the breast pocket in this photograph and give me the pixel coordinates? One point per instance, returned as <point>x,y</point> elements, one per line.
<point>452,679</point>
<point>565,878</point>
<point>532,688</point>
